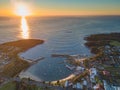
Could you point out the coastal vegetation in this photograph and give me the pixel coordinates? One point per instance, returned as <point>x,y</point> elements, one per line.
<point>12,64</point>
<point>115,43</point>
<point>24,44</point>
<point>8,86</point>
<point>14,85</point>
<point>96,41</point>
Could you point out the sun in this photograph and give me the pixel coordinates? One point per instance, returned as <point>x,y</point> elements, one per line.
<point>22,10</point>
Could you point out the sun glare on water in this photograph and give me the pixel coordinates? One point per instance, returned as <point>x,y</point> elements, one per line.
<point>23,11</point>
<point>24,27</point>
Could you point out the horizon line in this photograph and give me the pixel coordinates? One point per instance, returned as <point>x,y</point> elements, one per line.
<point>58,15</point>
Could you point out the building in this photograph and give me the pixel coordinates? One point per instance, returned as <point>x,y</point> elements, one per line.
<point>93,73</point>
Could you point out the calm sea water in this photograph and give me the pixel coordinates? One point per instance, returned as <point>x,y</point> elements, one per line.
<point>62,35</point>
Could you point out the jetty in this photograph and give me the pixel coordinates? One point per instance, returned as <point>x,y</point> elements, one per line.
<point>69,56</point>
<point>32,62</point>
<point>60,55</point>
<point>73,59</point>
<point>70,67</point>
<point>37,60</point>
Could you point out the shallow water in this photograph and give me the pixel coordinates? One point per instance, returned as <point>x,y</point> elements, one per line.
<point>62,35</point>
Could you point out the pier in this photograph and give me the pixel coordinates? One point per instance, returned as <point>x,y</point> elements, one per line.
<point>60,55</point>
<point>37,60</point>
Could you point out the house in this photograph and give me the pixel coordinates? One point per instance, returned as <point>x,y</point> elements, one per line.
<point>1,80</point>
<point>93,73</point>
<point>85,83</point>
<point>78,86</point>
<point>78,68</point>
<point>68,83</point>
<point>107,73</point>
<point>98,87</point>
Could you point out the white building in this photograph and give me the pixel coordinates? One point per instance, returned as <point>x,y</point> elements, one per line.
<point>78,68</point>
<point>78,86</point>
<point>96,87</point>
<point>68,83</point>
<point>93,73</point>
<point>85,83</point>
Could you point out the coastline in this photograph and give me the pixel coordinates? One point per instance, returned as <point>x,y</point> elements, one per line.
<point>14,64</point>
<point>72,75</point>
<point>25,74</point>
<point>93,62</point>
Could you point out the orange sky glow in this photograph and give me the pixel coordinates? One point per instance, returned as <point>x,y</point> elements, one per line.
<point>58,8</point>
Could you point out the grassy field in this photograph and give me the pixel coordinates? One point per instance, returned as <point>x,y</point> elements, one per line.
<point>8,86</point>
<point>24,44</point>
<point>115,43</point>
<point>12,86</point>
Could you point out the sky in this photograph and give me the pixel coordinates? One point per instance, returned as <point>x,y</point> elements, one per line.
<point>62,7</point>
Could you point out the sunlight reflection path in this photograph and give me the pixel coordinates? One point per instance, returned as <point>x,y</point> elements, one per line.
<point>25,29</point>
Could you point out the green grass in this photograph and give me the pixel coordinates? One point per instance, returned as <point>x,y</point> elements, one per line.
<point>115,43</point>
<point>8,86</point>
<point>40,88</point>
<point>12,86</point>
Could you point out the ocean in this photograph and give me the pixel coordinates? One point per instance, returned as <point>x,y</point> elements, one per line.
<point>62,35</point>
